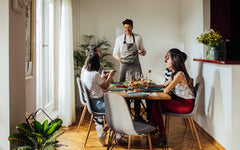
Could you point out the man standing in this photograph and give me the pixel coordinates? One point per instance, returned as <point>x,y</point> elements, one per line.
<point>127,49</point>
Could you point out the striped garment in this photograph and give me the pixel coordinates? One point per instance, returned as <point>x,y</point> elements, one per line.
<point>168,73</point>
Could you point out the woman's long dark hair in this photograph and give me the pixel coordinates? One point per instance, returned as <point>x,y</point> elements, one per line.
<point>92,62</point>
<point>178,59</point>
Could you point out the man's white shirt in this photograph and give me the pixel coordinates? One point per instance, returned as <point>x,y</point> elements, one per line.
<point>119,43</point>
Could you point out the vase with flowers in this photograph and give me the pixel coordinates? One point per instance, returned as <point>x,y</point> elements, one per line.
<point>212,40</point>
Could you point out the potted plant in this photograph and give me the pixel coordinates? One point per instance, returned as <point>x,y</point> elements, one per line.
<point>212,40</point>
<point>37,136</point>
<point>80,55</point>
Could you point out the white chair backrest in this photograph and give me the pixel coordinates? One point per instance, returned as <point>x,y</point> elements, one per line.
<point>117,114</point>
<point>80,89</point>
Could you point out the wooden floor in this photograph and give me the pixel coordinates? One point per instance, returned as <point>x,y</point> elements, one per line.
<point>180,138</point>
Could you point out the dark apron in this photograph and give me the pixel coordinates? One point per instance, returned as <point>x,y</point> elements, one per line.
<point>129,51</point>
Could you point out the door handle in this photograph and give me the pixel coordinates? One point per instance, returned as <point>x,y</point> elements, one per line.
<point>44,45</point>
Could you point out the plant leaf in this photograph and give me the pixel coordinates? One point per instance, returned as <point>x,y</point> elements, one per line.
<point>59,121</point>
<point>45,126</point>
<point>24,129</point>
<point>55,135</point>
<point>54,125</point>
<point>34,140</point>
<point>19,139</point>
<point>25,148</point>
<point>49,147</point>
<point>38,127</point>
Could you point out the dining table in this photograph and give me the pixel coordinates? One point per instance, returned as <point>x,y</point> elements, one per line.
<point>148,96</point>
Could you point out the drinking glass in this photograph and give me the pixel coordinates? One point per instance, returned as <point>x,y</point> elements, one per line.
<point>128,78</point>
<point>142,77</point>
<point>137,76</point>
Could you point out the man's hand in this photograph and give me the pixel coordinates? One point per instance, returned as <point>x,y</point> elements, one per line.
<point>142,52</point>
<point>116,56</point>
<point>120,60</point>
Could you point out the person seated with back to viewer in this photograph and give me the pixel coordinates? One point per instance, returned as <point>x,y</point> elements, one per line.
<point>96,49</point>
<point>95,84</point>
<point>181,84</point>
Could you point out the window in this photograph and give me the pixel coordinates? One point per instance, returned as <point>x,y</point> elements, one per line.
<point>45,55</point>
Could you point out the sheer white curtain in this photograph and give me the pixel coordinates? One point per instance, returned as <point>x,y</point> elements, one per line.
<point>64,73</point>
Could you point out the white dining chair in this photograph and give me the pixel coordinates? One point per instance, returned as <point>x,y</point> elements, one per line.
<point>119,119</point>
<point>197,90</point>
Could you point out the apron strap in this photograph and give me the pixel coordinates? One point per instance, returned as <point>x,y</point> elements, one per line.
<point>124,42</point>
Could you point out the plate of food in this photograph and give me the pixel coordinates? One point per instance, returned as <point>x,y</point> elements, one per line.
<point>127,60</point>
<point>155,89</point>
<point>107,71</point>
<point>138,94</point>
<point>117,85</point>
<point>117,89</point>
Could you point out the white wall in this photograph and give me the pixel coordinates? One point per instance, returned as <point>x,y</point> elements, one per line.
<point>4,76</point>
<point>218,109</point>
<point>16,68</point>
<point>235,107</point>
<point>192,27</point>
<point>158,21</point>
<point>215,115</point>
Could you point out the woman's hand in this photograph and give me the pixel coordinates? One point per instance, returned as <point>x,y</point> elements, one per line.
<point>112,73</point>
<point>104,75</point>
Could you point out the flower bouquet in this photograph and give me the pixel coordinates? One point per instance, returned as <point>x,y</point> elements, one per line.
<point>211,39</point>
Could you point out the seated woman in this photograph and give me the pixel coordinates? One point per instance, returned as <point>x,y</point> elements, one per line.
<point>95,84</point>
<point>181,84</point>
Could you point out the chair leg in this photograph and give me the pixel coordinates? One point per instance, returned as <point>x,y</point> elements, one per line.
<point>89,128</point>
<point>82,117</point>
<point>110,140</point>
<point>129,142</point>
<point>149,141</point>
<point>194,128</point>
<point>167,122</point>
<point>191,126</point>
<point>104,120</point>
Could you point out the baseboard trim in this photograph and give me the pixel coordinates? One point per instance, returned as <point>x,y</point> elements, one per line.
<point>209,137</point>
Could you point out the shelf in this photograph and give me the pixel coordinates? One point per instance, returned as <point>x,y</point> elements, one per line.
<point>218,61</point>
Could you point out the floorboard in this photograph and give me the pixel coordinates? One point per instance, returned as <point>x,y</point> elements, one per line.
<point>180,138</point>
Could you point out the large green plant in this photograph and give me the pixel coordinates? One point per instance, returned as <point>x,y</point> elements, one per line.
<point>87,40</point>
<point>37,136</point>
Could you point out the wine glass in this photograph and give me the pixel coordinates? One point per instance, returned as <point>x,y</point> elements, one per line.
<point>128,78</point>
<point>137,76</point>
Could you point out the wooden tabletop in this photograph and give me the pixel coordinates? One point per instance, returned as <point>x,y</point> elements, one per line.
<point>160,96</point>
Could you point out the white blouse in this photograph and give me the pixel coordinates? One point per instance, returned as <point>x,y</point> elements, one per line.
<point>92,80</point>
<point>183,91</point>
